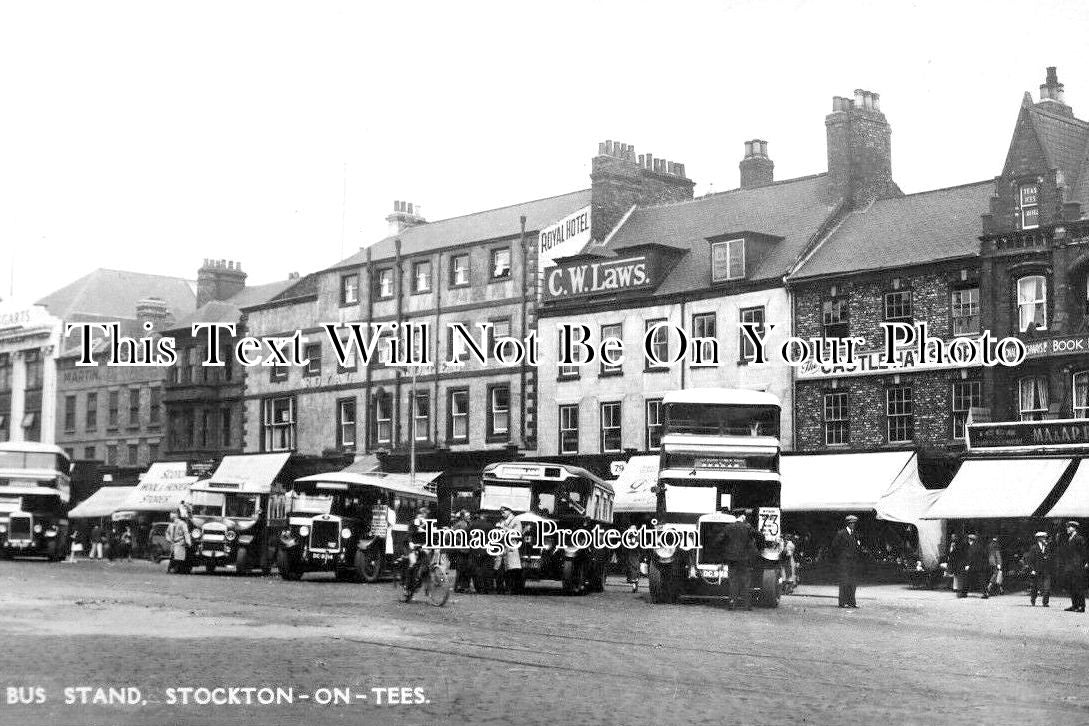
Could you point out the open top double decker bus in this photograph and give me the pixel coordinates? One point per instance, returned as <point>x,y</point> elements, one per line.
<point>34,496</point>
<point>572,499</point>
<point>720,453</point>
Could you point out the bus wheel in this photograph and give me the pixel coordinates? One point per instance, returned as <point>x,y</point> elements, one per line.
<point>596,581</point>
<point>287,570</point>
<point>368,566</point>
<point>574,578</point>
<point>663,585</point>
<point>769,589</point>
<point>242,561</point>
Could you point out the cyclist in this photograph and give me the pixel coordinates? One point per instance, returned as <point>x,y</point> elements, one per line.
<point>417,557</point>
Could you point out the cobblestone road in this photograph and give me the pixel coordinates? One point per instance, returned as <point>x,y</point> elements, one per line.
<point>904,657</point>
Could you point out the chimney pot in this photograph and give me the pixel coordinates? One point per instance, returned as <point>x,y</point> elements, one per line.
<point>601,148</point>
<point>609,147</point>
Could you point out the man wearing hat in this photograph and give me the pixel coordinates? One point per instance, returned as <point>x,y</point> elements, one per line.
<point>1040,561</point>
<point>1073,560</point>
<point>845,550</point>
<point>976,567</point>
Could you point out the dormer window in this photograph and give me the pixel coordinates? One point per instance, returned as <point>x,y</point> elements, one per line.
<point>1030,206</point>
<point>728,260</point>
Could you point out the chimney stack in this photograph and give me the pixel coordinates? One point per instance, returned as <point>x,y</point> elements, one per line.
<point>757,170</point>
<point>1052,95</point>
<point>219,280</point>
<point>155,311</point>
<point>859,149</point>
<point>405,215</point>
<point>620,178</point>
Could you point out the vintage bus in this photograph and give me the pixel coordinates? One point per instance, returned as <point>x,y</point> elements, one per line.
<point>720,453</point>
<point>571,498</point>
<point>353,524</point>
<point>34,495</point>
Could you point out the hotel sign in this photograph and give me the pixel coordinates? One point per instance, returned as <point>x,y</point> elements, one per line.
<point>594,278</point>
<point>564,238</point>
<point>1029,434</point>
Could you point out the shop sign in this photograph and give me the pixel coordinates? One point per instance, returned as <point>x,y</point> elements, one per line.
<point>592,278</point>
<point>1059,345</point>
<point>872,363</point>
<point>1067,432</point>
<point>564,238</point>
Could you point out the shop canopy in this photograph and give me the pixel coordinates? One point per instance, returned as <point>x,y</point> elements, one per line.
<point>633,486</point>
<point>1075,500</point>
<point>840,482</point>
<point>423,486</point>
<point>253,473</point>
<point>161,489</point>
<point>999,488</point>
<point>102,503</point>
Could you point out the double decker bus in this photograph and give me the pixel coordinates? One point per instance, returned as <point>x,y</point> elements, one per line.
<point>34,495</point>
<point>720,453</point>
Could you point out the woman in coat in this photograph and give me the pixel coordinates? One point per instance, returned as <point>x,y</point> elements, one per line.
<point>955,559</point>
<point>508,566</point>
<point>180,541</point>
<point>994,561</point>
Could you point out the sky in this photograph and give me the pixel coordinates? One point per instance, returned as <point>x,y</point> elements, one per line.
<point>148,135</point>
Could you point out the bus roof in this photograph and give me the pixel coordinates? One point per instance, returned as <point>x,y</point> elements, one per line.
<point>398,483</point>
<point>32,447</point>
<point>511,470</point>
<point>722,396</point>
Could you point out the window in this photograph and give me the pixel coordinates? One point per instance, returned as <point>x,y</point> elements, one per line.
<point>569,429</point>
<point>5,372</point>
<point>278,373</point>
<point>500,329</point>
<point>156,405</point>
<point>756,317</point>
<point>35,369</point>
<point>312,353</point>
<point>567,372</point>
<point>134,454</point>
<point>1032,398</point>
<point>966,395</point>
<point>1030,206</point>
<point>898,306</point>
<point>458,426</point>
<point>898,411</point>
<point>111,454</point>
<point>659,345</point>
<point>346,423</point>
<point>965,306</point>
<point>349,289</point>
<point>459,270</point>
<point>610,428</point>
<point>225,427</point>
<point>69,413</point>
<point>205,426</point>
<point>499,412</point>
<point>134,407</point>
<point>89,453</point>
<point>1081,394</point>
<point>92,411</point>
<point>152,452</point>
<point>1032,303</point>
<point>279,424</point>
<point>654,424</point>
<point>351,357</point>
<point>71,452</point>
<point>421,276</point>
<point>705,325</point>
<point>383,418</point>
<point>501,263</point>
<point>728,260</point>
<point>834,319</point>
<point>113,409</point>
<point>613,330</point>
<point>421,416</point>
<point>457,348</point>
<point>837,419</point>
<point>383,283</point>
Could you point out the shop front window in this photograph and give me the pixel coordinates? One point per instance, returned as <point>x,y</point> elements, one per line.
<point>1081,394</point>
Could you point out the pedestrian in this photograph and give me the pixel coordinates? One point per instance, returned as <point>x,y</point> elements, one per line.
<point>994,561</point>
<point>508,565</point>
<point>976,569</point>
<point>75,546</point>
<point>954,560</point>
<point>97,541</point>
<point>1073,560</point>
<point>633,556</point>
<point>1040,561</point>
<point>177,534</point>
<point>463,560</point>
<point>483,564</point>
<point>738,545</point>
<point>846,548</point>
<point>789,564</point>
<point>125,544</point>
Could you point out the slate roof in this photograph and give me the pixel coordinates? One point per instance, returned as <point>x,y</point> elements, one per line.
<point>479,226</point>
<point>113,294</point>
<point>793,209</point>
<point>1065,142</point>
<point>903,231</point>
<point>230,310</point>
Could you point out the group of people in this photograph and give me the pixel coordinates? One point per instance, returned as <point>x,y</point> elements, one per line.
<point>102,543</point>
<point>1062,561</point>
<point>478,571</point>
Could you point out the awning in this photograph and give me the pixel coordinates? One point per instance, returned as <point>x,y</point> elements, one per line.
<point>997,488</point>
<point>839,482</point>
<point>102,503</point>
<point>398,483</point>
<point>161,489</point>
<point>633,486</point>
<point>247,472</point>
<point>1075,500</point>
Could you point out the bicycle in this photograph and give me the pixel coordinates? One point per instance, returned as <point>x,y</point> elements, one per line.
<point>429,572</point>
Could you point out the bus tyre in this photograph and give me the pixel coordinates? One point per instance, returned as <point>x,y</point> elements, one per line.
<point>663,585</point>
<point>242,561</point>
<point>596,581</point>
<point>574,577</point>
<point>769,589</point>
<point>286,568</point>
<point>368,565</point>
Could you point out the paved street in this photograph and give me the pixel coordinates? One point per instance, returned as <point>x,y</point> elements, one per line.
<point>904,657</point>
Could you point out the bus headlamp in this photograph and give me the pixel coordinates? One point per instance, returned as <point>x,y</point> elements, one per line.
<point>37,529</point>
<point>195,533</point>
<point>231,535</point>
<point>304,530</point>
<point>665,553</point>
<point>3,529</point>
<point>346,533</point>
<point>50,533</point>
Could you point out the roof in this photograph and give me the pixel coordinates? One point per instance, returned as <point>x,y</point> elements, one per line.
<point>34,447</point>
<point>102,503</point>
<point>903,231</point>
<point>230,310</point>
<point>1065,143</point>
<point>722,396</point>
<point>114,294</point>
<point>400,483</point>
<point>793,210</point>
<point>489,224</point>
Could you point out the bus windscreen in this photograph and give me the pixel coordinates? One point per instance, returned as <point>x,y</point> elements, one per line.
<point>726,420</point>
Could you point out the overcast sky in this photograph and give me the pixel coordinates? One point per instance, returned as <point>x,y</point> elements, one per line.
<point>147,136</point>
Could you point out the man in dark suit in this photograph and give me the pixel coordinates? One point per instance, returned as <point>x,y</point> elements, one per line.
<point>846,548</point>
<point>977,570</point>
<point>1040,561</point>
<point>1073,560</point>
<point>738,542</point>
